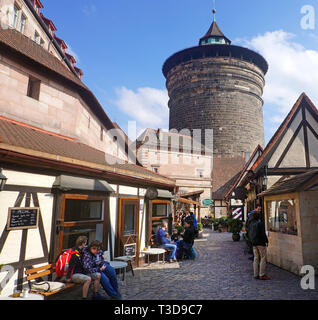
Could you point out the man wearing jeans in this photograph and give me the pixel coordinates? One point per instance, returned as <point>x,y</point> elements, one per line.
<point>257,235</point>
<point>166,243</point>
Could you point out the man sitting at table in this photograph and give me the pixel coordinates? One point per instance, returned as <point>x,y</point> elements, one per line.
<point>165,243</point>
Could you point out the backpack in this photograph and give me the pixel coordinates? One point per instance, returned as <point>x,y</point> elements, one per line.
<point>253,232</point>
<point>63,261</point>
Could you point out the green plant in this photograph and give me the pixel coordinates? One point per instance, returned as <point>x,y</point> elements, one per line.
<point>223,222</point>
<point>235,226</point>
<point>200,226</point>
<point>180,229</point>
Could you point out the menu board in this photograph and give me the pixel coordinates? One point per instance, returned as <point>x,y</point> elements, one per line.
<point>23,218</point>
<point>130,250</point>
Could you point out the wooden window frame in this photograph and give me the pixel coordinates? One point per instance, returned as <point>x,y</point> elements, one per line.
<point>63,224</point>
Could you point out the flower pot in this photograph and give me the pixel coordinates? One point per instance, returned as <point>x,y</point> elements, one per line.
<point>223,229</point>
<point>236,237</point>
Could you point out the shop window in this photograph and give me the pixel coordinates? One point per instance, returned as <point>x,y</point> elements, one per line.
<point>81,216</point>
<point>282,216</point>
<point>129,219</point>
<point>82,210</point>
<point>91,231</point>
<point>160,212</point>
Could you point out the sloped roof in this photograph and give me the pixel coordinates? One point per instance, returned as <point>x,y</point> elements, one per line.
<point>221,193</point>
<point>31,140</point>
<point>296,183</point>
<point>275,140</point>
<point>246,167</point>
<point>214,31</point>
<point>13,42</point>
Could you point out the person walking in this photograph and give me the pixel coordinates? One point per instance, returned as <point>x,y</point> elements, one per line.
<point>257,235</point>
<point>165,243</point>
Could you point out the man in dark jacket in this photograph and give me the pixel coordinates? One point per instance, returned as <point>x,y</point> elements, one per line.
<point>186,245</point>
<point>258,237</point>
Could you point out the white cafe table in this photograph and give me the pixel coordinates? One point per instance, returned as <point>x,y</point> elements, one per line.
<point>153,252</point>
<point>31,296</point>
<point>121,265</point>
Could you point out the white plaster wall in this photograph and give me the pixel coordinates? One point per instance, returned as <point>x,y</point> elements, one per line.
<point>113,218</point>
<point>128,190</point>
<point>11,249</point>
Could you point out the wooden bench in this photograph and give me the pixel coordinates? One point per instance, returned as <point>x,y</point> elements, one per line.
<point>47,270</point>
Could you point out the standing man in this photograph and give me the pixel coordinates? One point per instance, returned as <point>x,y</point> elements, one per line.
<point>257,235</point>
<point>248,220</point>
<point>165,243</point>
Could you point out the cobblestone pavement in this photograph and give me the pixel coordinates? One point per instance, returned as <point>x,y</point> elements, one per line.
<point>221,271</point>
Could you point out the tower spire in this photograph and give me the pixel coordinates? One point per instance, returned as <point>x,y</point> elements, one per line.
<point>214,11</point>
<point>214,34</point>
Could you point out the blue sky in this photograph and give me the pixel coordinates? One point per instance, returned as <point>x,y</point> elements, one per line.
<point>121,46</point>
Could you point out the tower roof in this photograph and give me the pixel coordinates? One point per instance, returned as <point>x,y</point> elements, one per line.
<point>214,35</point>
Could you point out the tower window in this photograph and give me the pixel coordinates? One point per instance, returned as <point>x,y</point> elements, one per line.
<point>101,134</point>
<point>34,88</point>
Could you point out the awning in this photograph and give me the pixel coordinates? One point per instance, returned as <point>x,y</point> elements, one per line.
<point>64,183</point>
<point>165,194</point>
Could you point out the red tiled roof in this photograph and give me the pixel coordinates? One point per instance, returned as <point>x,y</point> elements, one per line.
<point>11,39</point>
<point>30,138</point>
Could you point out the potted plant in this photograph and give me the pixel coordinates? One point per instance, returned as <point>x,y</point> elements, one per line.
<point>180,229</point>
<point>223,224</point>
<point>235,226</point>
<point>216,224</point>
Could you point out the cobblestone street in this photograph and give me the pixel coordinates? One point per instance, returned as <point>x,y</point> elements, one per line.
<point>221,271</point>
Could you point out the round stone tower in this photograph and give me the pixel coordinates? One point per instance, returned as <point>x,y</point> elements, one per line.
<point>218,86</point>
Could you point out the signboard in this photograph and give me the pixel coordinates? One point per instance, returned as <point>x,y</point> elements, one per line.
<point>23,218</point>
<point>130,249</point>
<point>207,202</point>
<point>235,202</point>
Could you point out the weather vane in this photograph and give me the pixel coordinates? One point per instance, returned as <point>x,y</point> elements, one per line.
<point>214,10</point>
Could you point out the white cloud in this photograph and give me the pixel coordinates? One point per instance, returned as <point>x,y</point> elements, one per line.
<point>293,69</point>
<point>147,106</point>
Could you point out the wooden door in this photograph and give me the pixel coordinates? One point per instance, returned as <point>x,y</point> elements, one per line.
<point>128,228</point>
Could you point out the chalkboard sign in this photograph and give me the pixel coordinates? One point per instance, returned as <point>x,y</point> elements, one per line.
<point>23,218</point>
<point>130,250</point>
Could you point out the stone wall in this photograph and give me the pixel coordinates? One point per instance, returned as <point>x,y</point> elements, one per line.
<point>59,108</point>
<point>223,94</point>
